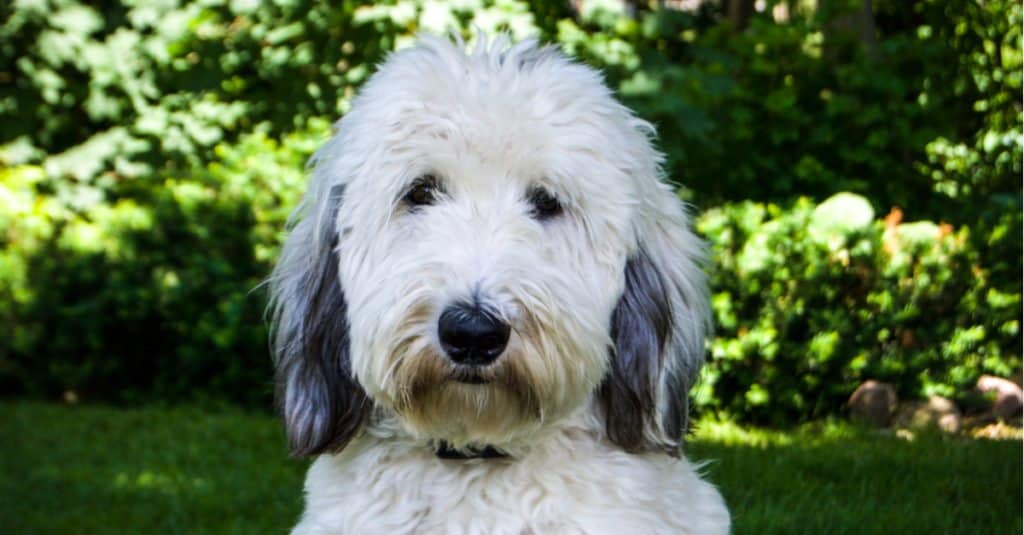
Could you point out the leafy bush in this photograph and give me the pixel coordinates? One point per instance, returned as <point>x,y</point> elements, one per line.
<point>148,296</point>
<point>138,87</point>
<point>927,118</point>
<point>811,300</point>
<point>149,153</point>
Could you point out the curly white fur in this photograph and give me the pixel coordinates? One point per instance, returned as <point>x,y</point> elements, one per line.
<point>606,303</point>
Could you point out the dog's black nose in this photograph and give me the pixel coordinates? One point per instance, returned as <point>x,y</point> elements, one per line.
<point>471,336</point>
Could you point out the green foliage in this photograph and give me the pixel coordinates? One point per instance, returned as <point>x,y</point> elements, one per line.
<point>149,295</point>
<point>811,300</point>
<point>150,153</point>
<point>928,115</point>
<point>142,86</point>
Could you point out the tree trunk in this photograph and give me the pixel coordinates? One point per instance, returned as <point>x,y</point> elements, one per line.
<point>858,23</point>
<point>739,12</point>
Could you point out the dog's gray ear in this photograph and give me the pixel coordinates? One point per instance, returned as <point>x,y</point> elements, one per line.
<point>658,330</point>
<point>322,403</point>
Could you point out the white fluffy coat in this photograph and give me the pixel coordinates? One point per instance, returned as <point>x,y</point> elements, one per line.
<point>570,483</point>
<point>606,302</point>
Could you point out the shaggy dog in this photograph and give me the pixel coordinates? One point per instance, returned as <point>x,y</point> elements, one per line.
<point>489,309</point>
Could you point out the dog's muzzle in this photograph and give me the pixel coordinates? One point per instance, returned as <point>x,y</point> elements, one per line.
<point>471,336</point>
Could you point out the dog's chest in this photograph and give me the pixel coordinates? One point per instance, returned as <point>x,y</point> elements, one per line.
<point>376,493</point>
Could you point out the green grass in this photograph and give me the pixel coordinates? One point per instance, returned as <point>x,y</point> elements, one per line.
<point>835,478</point>
<point>87,469</point>
<point>182,470</point>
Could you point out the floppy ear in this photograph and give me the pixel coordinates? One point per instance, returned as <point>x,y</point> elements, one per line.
<point>322,404</point>
<point>658,330</point>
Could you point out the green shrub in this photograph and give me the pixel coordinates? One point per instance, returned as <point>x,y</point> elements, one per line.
<point>811,300</point>
<point>148,295</point>
<point>149,154</point>
<point>928,118</point>
<point>138,88</point>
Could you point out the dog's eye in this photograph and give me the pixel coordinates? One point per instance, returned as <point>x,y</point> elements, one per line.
<point>423,191</point>
<point>545,205</point>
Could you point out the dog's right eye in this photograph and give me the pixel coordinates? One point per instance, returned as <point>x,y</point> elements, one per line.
<point>422,192</point>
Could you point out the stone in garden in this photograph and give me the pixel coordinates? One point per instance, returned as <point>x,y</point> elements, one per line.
<point>873,402</point>
<point>69,397</point>
<point>998,431</point>
<point>1009,399</point>
<point>936,413</point>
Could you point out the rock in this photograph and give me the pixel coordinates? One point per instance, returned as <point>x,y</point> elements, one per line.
<point>873,402</point>
<point>998,431</point>
<point>936,413</point>
<point>1009,398</point>
<point>905,434</point>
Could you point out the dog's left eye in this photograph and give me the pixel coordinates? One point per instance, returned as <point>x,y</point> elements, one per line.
<point>422,192</point>
<point>544,204</point>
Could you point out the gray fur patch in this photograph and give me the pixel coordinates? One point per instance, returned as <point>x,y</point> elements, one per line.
<point>322,404</point>
<point>640,328</point>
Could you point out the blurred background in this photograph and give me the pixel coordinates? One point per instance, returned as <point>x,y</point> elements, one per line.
<point>151,152</point>
<point>855,166</point>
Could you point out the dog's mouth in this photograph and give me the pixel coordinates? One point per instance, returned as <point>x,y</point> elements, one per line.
<point>470,377</point>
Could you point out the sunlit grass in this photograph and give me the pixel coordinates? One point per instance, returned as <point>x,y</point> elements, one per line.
<point>104,470</point>
<point>832,477</point>
<point>182,470</point>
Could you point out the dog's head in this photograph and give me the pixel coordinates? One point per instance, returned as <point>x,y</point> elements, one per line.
<point>486,246</point>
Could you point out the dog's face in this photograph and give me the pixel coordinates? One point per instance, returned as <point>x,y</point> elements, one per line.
<point>485,247</point>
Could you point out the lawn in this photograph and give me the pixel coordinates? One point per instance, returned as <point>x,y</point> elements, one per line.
<point>85,469</point>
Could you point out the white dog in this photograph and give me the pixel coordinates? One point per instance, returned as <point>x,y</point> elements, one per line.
<point>489,309</point>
